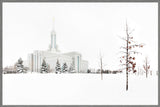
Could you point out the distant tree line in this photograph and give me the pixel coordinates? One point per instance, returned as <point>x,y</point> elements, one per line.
<point>99,71</point>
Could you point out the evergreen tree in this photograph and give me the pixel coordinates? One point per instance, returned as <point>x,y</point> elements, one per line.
<point>44,68</point>
<point>64,68</point>
<point>58,67</point>
<point>19,66</point>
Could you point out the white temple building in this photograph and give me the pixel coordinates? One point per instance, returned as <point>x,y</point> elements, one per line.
<point>51,56</point>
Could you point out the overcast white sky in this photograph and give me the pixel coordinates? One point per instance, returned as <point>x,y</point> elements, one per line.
<point>84,27</point>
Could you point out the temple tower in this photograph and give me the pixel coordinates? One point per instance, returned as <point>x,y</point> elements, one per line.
<point>53,45</point>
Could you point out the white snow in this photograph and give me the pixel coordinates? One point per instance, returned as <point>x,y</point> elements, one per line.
<point>79,89</point>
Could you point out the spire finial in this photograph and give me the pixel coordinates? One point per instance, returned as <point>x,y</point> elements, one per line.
<point>53,24</point>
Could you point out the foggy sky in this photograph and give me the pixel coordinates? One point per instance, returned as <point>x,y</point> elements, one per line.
<point>89,28</point>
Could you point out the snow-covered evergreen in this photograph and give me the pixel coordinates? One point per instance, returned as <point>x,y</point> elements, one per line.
<point>58,67</point>
<point>19,66</point>
<point>44,68</point>
<point>65,68</point>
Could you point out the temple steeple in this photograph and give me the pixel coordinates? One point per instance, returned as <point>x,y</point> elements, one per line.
<point>53,46</point>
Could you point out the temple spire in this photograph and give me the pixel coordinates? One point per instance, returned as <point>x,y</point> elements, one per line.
<point>53,25</point>
<point>53,37</point>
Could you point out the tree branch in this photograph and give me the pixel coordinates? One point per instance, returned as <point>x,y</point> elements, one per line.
<point>131,31</point>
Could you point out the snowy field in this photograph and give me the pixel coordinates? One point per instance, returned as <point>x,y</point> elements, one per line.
<point>79,89</point>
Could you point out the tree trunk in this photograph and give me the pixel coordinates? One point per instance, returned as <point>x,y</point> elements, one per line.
<point>126,81</point>
<point>101,76</point>
<point>146,74</point>
<point>127,57</point>
<point>146,68</point>
<point>101,69</point>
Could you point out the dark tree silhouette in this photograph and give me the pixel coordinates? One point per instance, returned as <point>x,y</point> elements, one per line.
<point>58,67</point>
<point>128,60</point>
<point>19,66</point>
<point>44,68</point>
<point>65,68</point>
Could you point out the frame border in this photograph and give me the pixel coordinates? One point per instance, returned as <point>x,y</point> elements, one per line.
<point>86,1</point>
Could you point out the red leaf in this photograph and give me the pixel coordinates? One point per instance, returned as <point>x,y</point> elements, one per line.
<point>141,46</point>
<point>144,67</point>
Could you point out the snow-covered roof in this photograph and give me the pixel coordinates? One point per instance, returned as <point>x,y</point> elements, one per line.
<point>73,53</point>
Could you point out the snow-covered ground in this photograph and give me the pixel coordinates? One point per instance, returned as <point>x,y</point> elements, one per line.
<point>79,89</point>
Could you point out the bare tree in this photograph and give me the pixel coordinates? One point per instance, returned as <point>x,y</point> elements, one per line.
<point>128,58</point>
<point>101,64</point>
<point>146,67</point>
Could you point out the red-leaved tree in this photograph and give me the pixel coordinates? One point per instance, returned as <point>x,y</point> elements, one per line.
<point>128,59</point>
